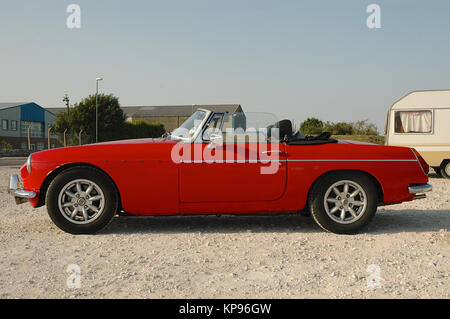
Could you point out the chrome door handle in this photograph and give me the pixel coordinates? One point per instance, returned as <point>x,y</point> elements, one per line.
<point>277,151</point>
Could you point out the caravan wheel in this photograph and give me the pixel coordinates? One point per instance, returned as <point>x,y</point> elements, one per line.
<point>445,169</point>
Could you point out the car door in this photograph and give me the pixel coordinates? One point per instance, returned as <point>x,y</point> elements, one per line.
<point>239,170</point>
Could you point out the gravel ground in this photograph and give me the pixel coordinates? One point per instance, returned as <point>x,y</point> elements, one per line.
<point>284,256</point>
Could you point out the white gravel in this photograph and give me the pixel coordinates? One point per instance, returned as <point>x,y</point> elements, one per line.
<point>284,256</point>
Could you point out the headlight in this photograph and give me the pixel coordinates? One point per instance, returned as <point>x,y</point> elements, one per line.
<point>29,164</point>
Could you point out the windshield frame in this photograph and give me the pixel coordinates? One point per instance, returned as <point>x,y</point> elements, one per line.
<point>197,132</point>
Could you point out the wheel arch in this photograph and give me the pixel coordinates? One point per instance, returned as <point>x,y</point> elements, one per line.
<point>50,177</point>
<point>370,176</point>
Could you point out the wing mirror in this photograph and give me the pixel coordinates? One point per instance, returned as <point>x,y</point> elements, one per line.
<point>215,140</point>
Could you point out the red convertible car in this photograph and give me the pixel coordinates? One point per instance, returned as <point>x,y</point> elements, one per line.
<point>214,163</point>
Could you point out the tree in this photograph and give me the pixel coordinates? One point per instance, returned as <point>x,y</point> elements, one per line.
<point>363,127</point>
<point>6,146</point>
<point>82,117</point>
<point>340,128</point>
<point>311,126</point>
<point>315,126</point>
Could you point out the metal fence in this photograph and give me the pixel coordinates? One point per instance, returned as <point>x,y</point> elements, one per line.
<point>30,143</point>
<point>68,139</point>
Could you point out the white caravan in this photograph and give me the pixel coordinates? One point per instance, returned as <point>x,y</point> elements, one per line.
<point>421,119</point>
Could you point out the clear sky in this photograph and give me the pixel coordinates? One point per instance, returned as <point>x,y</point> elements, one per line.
<point>296,59</point>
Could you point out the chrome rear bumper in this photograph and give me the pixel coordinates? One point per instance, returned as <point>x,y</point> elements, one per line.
<point>15,188</point>
<point>419,190</point>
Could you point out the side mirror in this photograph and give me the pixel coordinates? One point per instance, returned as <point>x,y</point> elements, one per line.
<point>215,140</point>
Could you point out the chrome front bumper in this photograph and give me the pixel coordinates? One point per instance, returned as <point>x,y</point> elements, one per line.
<point>419,190</point>
<point>15,188</point>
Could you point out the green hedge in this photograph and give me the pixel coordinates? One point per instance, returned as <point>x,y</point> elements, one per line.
<point>314,126</point>
<point>141,129</point>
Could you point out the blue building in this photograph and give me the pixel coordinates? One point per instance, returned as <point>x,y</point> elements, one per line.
<point>16,118</point>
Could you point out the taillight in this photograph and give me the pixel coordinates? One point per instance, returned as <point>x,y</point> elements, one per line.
<point>423,164</point>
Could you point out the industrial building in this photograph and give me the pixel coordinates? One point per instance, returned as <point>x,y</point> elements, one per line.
<point>24,125</point>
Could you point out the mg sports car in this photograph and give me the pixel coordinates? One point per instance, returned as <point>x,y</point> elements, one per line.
<point>221,163</point>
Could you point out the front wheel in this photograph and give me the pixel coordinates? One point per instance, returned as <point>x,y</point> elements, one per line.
<point>81,200</point>
<point>343,202</point>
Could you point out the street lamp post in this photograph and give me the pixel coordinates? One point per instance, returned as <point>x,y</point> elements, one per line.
<point>96,110</point>
<point>66,100</point>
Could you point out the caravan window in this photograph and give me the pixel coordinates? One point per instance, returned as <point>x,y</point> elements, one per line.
<point>413,122</point>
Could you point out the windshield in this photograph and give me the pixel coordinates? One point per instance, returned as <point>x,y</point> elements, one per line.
<point>253,121</point>
<point>190,126</point>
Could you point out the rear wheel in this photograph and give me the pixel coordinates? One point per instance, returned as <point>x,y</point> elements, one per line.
<point>445,169</point>
<point>343,202</point>
<point>81,200</point>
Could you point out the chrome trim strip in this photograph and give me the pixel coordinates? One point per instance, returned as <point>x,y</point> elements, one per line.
<point>420,189</point>
<point>273,151</point>
<point>228,162</point>
<point>417,159</point>
<point>14,183</point>
<point>351,160</point>
<point>15,189</point>
<point>24,194</point>
<point>29,163</point>
<point>299,160</point>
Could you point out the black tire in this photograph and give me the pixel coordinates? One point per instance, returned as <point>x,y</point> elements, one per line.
<point>305,213</point>
<point>324,185</point>
<point>437,170</point>
<point>110,201</point>
<point>445,169</point>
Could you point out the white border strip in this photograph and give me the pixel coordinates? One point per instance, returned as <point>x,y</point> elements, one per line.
<point>352,160</point>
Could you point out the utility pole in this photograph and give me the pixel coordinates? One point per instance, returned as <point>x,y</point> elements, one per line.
<point>29,137</point>
<point>96,110</point>
<point>48,136</point>
<point>65,131</point>
<point>79,137</point>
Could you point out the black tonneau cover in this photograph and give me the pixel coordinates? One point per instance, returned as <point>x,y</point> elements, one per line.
<point>300,139</point>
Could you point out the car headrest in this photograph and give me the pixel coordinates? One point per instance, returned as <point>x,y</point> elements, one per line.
<point>285,129</point>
